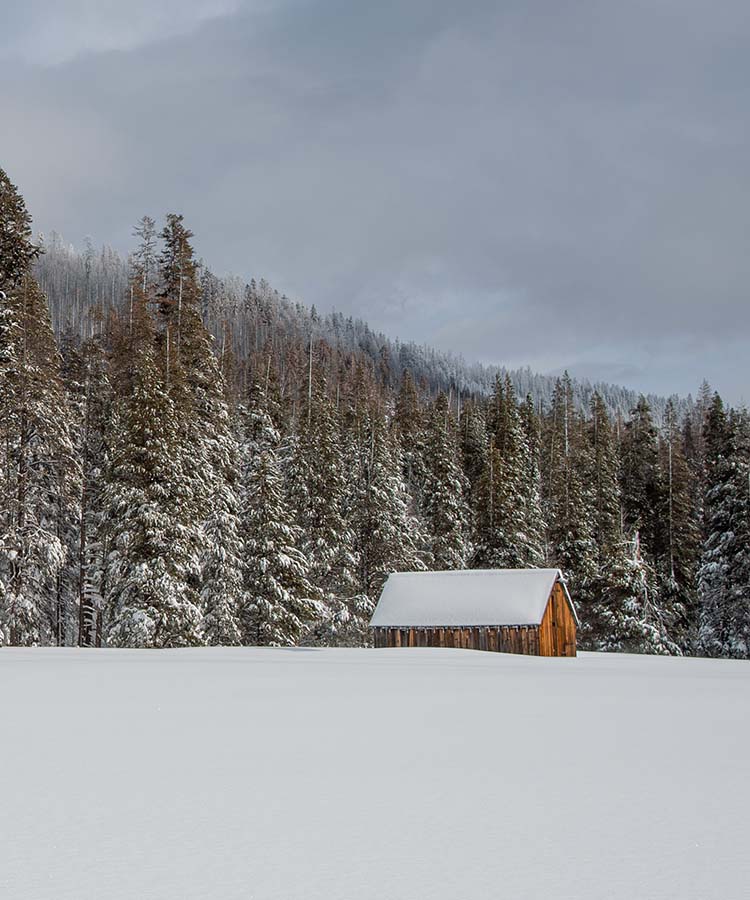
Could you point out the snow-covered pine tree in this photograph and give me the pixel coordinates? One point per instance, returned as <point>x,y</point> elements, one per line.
<point>17,248</point>
<point>724,573</point>
<point>740,565</point>
<point>640,478</point>
<point>409,420</point>
<point>208,447</point>
<point>444,490</point>
<point>568,495</point>
<point>494,547</point>
<point>531,450</point>
<point>222,569</point>
<point>318,483</point>
<point>597,597</point>
<point>679,533</point>
<point>38,467</point>
<point>279,601</point>
<point>646,503</point>
<point>604,461</point>
<point>90,397</point>
<point>192,375</point>
<point>256,420</point>
<point>624,617</point>
<point>144,259</point>
<point>473,442</point>
<point>388,538</point>
<point>507,527</point>
<point>150,599</point>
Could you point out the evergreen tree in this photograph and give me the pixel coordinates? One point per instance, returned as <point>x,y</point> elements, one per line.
<point>38,466</point>
<point>494,547</point>
<point>444,490</point>
<point>724,573</point>
<point>409,421</point>
<point>89,391</point>
<point>17,248</point>
<point>318,490</point>
<point>568,494</point>
<point>602,620</point>
<point>624,616</point>
<point>150,570</point>
<point>222,569</point>
<point>192,371</point>
<point>679,534</point>
<point>508,521</point>
<point>207,450</point>
<point>534,523</point>
<point>646,513</point>
<point>179,288</point>
<point>603,479</point>
<point>640,481</point>
<point>387,536</point>
<point>473,443</point>
<point>279,601</point>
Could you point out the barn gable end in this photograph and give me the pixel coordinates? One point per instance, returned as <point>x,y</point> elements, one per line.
<point>557,630</point>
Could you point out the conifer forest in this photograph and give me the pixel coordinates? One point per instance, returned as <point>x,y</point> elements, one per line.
<point>190,460</point>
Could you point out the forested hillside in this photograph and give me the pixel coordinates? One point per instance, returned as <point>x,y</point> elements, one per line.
<point>190,460</point>
<point>82,287</point>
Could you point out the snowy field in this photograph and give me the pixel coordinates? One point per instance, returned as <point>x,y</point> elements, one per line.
<point>348,774</point>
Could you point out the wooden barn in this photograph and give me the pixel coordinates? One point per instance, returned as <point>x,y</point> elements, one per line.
<point>505,610</point>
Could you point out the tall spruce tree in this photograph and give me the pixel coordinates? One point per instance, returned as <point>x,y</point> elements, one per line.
<point>533,515</point>
<point>604,478</point>
<point>724,573</point>
<point>625,615</point>
<point>38,466</point>
<point>387,536</point>
<point>679,533</point>
<point>279,601</point>
<point>151,600</point>
<point>317,478</point>
<point>409,420</point>
<point>568,494</point>
<point>445,487</point>
<point>506,514</point>
<point>640,479</point>
<point>222,562</point>
<point>473,440</point>
<point>209,453</point>
<point>606,601</point>
<point>89,390</point>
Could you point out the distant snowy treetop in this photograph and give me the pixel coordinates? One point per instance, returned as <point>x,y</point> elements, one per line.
<point>470,597</point>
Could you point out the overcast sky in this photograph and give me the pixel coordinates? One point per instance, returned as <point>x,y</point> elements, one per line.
<point>558,184</point>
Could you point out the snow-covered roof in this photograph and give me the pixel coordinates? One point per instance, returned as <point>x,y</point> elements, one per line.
<point>467,597</point>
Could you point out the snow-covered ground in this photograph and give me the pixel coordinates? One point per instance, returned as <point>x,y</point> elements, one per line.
<point>258,773</point>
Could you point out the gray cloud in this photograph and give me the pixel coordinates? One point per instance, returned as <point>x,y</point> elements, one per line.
<point>559,184</point>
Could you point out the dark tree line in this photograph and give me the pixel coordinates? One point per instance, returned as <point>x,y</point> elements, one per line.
<point>176,478</point>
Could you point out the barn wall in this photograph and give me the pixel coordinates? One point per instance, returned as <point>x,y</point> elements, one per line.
<point>557,633</point>
<point>510,639</point>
